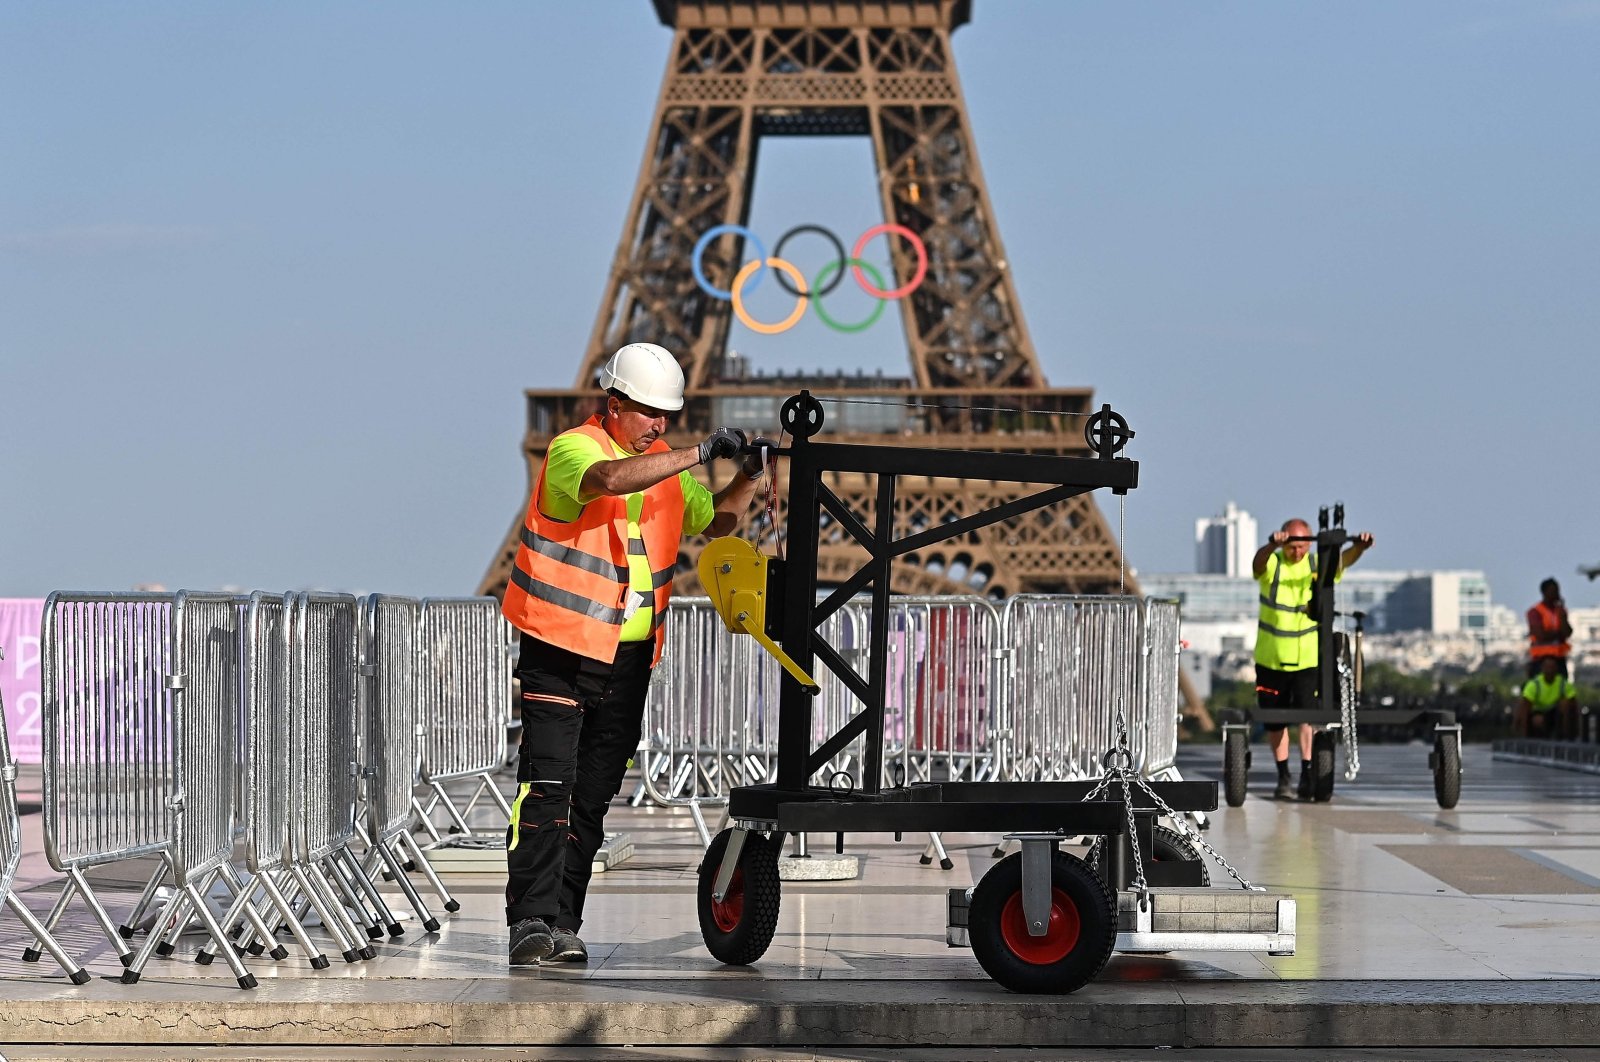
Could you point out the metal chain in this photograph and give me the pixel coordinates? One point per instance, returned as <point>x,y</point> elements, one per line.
<point>1119,767</point>
<point>1347,716</point>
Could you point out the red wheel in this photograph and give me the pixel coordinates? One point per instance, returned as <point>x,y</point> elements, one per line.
<point>1077,940</point>
<point>738,928</point>
<point>1061,935</point>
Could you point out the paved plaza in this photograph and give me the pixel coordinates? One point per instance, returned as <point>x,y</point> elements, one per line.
<point>1418,928</point>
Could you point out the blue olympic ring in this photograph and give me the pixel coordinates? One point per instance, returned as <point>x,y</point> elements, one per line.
<point>695,260</point>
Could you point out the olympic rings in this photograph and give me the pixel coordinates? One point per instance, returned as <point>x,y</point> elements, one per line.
<point>749,276</point>
<point>794,315</point>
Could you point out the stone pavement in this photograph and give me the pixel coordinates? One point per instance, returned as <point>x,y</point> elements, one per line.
<point>1418,928</point>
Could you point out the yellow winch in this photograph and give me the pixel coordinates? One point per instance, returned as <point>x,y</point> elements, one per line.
<point>734,573</point>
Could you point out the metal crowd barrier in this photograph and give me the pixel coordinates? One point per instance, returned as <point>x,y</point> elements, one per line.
<point>204,743</point>
<point>176,724</point>
<point>1025,693</point>
<point>11,858</point>
<point>109,761</point>
<point>391,744</point>
<point>466,705</point>
<point>1075,661</point>
<point>1163,704</point>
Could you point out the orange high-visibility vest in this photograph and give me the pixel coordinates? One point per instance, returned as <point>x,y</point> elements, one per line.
<point>1550,623</point>
<point>570,583</point>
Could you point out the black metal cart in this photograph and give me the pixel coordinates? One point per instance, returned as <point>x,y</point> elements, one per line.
<point>1039,921</point>
<point>1339,711</point>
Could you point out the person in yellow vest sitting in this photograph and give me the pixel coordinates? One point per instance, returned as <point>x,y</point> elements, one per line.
<point>589,592</point>
<point>1548,706</point>
<point>1286,637</point>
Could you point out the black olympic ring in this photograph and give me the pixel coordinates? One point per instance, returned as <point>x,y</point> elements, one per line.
<point>838,253</point>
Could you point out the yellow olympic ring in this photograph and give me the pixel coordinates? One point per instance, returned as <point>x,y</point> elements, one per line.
<point>745,274</point>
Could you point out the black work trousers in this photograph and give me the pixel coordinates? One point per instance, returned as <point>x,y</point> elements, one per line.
<point>580,726</point>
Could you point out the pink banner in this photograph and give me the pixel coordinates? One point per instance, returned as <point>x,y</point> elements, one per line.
<point>19,674</point>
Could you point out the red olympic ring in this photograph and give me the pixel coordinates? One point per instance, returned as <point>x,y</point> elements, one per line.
<point>916,244</point>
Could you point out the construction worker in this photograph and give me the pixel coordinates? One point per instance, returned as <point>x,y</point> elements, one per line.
<point>1548,706</point>
<point>1286,638</point>
<point>1549,630</point>
<point>589,593</point>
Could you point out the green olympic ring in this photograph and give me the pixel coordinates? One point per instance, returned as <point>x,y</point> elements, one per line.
<point>818,285</point>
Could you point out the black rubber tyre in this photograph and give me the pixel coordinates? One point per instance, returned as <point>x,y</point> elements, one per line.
<point>1322,766</point>
<point>1082,931</point>
<point>1167,844</point>
<point>1447,770</point>
<point>739,930</point>
<point>1235,767</point>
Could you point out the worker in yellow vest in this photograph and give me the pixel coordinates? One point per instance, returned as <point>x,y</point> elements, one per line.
<point>589,592</point>
<point>1548,707</point>
<point>1286,638</point>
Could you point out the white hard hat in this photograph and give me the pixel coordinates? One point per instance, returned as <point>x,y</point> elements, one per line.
<point>646,373</point>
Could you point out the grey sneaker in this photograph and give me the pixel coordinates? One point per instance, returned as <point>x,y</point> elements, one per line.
<point>567,947</point>
<point>531,941</point>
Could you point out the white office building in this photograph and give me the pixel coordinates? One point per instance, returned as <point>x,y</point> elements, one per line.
<point>1225,544</point>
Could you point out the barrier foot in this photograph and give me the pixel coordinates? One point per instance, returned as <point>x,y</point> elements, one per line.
<point>127,960</point>
<point>375,933</point>
<point>319,962</point>
<point>452,906</point>
<point>280,952</point>
<point>256,947</point>
<point>125,932</point>
<point>396,930</point>
<point>130,977</point>
<point>204,957</point>
<point>247,981</point>
<point>351,955</point>
<point>80,977</point>
<point>368,952</point>
<point>31,954</point>
<point>165,948</point>
<point>432,924</point>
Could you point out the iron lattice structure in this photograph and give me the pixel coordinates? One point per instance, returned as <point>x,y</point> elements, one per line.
<point>884,69</point>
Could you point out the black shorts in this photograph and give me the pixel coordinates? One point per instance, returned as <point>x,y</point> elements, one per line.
<point>1286,689</point>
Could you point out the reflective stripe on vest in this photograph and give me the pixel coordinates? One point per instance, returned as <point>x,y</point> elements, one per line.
<point>570,581</point>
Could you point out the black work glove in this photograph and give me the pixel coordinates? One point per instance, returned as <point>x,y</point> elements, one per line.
<point>753,466</point>
<point>724,442</point>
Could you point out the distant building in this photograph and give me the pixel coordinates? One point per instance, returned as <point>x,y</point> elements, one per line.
<point>1224,544</point>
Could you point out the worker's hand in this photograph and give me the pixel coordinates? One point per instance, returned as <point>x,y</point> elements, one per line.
<point>1277,538</point>
<point>1365,540</point>
<point>754,465</point>
<point>724,442</point>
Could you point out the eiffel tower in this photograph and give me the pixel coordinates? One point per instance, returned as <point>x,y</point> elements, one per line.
<point>740,70</point>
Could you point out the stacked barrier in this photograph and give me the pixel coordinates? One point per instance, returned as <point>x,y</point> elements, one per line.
<point>465,701</point>
<point>1029,692</point>
<point>11,857</point>
<point>176,724</point>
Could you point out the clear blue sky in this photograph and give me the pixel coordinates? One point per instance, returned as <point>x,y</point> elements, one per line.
<point>273,276</point>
